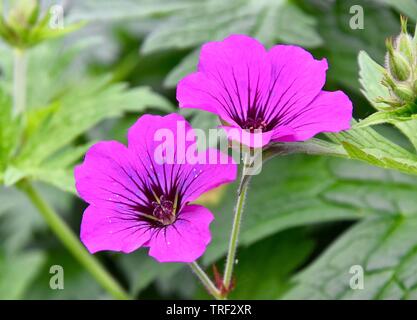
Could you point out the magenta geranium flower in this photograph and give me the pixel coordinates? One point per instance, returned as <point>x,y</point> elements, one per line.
<point>137,198</point>
<point>276,92</point>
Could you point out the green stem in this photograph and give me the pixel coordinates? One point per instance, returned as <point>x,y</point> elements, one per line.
<point>71,242</point>
<point>19,81</point>
<point>234,236</point>
<point>204,278</point>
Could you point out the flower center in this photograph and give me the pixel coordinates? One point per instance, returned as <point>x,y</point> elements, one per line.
<point>164,210</point>
<point>254,124</point>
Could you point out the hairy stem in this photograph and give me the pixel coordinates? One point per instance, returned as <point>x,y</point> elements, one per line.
<point>204,278</point>
<point>19,81</point>
<point>71,242</point>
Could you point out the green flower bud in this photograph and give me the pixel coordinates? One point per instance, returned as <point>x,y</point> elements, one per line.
<point>23,26</point>
<point>388,81</point>
<point>406,47</point>
<point>404,43</point>
<point>400,76</point>
<point>398,65</point>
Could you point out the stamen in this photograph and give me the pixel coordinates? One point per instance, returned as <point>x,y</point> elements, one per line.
<point>175,204</point>
<point>156,197</point>
<point>164,211</point>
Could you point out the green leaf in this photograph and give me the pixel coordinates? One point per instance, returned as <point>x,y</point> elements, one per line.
<point>78,111</point>
<point>367,145</point>
<point>8,132</point>
<point>19,219</point>
<point>214,20</point>
<point>344,43</point>
<point>406,7</point>
<point>289,24</point>
<point>98,10</point>
<point>307,191</point>
<point>17,272</point>
<point>84,107</point>
<point>381,117</point>
<point>12,175</point>
<point>262,270</point>
<point>62,179</point>
<point>185,67</point>
<point>56,171</point>
<point>385,247</point>
<point>67,157</point>
<point>269,21</point>
<point>370,77</point>
<point>48,81</point>
<point>363,144</point>
<point>409,129</point>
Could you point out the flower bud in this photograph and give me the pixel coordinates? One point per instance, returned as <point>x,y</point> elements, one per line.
<point>404,92</point>
<point>24,26</point>
<point>404,42</point>
<point>400,75</point>
<point>24,14</point>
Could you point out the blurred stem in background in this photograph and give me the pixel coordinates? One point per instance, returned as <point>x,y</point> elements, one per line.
<point>67,237</point>
<point>19,81</point>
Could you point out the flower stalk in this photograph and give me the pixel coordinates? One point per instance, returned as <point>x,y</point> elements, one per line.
<point>19,81</point>
<point>71,242</point>
<point>234,235</point>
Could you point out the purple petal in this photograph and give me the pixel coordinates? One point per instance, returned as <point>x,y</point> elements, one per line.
<point>297,79</point>
<point>123,184</point>
<point>104,229</point>
<point>328,112</point>
<point>186,239</point>
<point>275,91</point>
<point>150,131</point>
